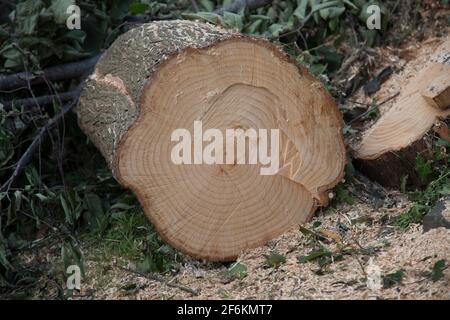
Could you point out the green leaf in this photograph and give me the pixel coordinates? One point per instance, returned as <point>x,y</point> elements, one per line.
<point>71,255</point>
<point>333,24</point>
<point>122,206</point>
<point>27,15</point>
<point>445,190</point>
<point>320,6</point>
<point>237,270</point>
<point>255,17</point>
<point>403,183</point>
<point>3,258</point>
<point>274,259</point>
<point>436,271</point>
<point>443,143</point>
<point>205,16</point>
<point>232,20</point>
<point>275,29</point>
<point>153,263</point>
<point>77,35</point>
<point>351,4</point>
<point>71,53</point>
<point>317,68</point>
<point>41,197</point>
<point>10,52</point>
<point>208,5</point>
<point>300,11</point>
<point>138,8</point>
<point>59,9</point>
<point>322,252</point>
<point>331,13</point>
<point>93,204</point>
<point>393,279</point>
<point>67,211</point>
<point>342,195</point>
<point>254,27</point>
<point>306,232</point>
<point>423,168</point>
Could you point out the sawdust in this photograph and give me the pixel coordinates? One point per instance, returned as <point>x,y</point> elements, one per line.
<point>363,231</point>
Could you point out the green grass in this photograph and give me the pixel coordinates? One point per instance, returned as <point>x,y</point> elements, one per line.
<point>424,200</point>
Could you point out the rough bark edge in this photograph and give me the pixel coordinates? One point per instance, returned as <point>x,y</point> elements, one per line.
<point>391,167</point>
<point>120,83</point>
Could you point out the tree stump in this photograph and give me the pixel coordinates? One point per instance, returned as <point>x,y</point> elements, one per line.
<point>388,150</point>
<point>168,75</point>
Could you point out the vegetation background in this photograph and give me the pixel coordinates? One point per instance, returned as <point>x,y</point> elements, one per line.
<point>65,198</point>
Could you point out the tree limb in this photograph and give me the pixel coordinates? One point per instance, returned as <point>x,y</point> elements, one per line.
<point>156,277</point>
<point>28,154</point>
<point>56,73</point>
<point>42,100</point>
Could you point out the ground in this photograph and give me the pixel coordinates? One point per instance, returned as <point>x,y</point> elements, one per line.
<point>364,256</point>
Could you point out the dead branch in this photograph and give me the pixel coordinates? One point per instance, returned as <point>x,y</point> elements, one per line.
<point>42,100</point>
<point>155,277</point>
<point>56,73</point>
<point>28,154</point>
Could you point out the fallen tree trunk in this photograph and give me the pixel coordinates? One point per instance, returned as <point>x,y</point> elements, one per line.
<point>389,149</point>
<point>160,78</point>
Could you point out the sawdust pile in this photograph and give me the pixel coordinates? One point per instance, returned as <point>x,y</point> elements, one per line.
<point>375,250</point>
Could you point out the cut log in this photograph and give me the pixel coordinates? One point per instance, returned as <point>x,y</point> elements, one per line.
<point>388,149</point>
<point>164,76</point>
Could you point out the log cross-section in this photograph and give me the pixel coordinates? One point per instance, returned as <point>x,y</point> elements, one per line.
<point>170,75</point>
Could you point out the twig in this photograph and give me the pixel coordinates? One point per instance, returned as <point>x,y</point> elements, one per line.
<point>155,277</point>
<point>42,100</point>
<point>297,29</point>
<point>28,154</point>
<point>362,115</point>
<point>56,73</point>
<point>388,99</point>
<point>237,5</point>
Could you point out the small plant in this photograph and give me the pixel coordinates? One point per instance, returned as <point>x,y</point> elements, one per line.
<point>436,272</point>
<point>424,200</point>
<point>424,168</point>
<point>237,271</point>
<point>274,259</point>
<point>392,279</point>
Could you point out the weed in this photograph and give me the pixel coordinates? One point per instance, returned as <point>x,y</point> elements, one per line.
<point>424,200</point>
<point>392,279</point>
<point>274,259</point>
